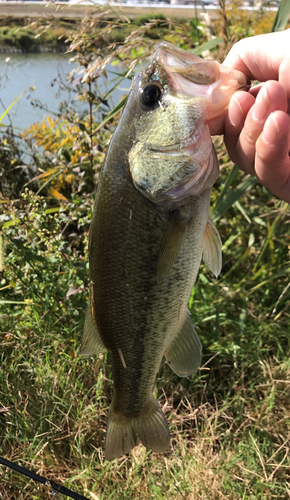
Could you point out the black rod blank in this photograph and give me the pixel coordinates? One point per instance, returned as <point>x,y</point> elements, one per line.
<point>41,479</point>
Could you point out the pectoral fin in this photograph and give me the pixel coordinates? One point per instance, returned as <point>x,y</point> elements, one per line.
<point>212,248</point>
<point>184,353</point>
<point>170,245</point>
<point>91,342</point>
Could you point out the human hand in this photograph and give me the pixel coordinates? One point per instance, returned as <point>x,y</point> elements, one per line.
<point>256,126</point>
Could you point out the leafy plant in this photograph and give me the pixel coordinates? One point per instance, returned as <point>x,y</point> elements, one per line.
<point>282,16</point>
<point>235,22</point>
<point>229,422</point>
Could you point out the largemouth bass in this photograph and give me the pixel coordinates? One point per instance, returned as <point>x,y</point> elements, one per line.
<point>149,230</point>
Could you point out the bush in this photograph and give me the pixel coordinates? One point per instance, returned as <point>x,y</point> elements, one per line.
<point>46,255</point>
<point>142,20</point>
<point>13,174</point>
<point>27,39</point>
<point>229,421</point>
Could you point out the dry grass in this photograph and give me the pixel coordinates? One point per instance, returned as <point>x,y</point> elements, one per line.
<point>229,423</point>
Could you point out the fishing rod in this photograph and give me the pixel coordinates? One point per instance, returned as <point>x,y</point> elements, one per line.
<point>41,479</point>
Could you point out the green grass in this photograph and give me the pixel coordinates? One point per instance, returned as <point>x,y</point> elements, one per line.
<point>229,423</point>
<point>15,32</point>
<point>28,39</point>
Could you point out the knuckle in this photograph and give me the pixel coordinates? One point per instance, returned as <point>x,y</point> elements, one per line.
<point>251,132</point>
<point>244,159</point>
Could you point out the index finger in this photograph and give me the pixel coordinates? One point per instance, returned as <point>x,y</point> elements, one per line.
<point>263,57</point>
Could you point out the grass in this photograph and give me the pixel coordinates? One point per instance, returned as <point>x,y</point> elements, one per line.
<point>229,423</point>
<point>30,38</point>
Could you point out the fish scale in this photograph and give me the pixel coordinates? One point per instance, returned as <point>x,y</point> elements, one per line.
<point>149,229</point>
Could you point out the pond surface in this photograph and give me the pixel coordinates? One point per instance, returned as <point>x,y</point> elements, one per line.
<point>40,70</point>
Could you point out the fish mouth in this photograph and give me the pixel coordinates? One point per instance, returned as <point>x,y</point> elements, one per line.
<point>189,75</point>
<point>186,64</point>
<point>198,70</point>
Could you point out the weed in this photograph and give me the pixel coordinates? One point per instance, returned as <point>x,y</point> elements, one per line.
<point>229,422</point>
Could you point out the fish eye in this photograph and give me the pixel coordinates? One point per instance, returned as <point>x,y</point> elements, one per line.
<point>150,95</point>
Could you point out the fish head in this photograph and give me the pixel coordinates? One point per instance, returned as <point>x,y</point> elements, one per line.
<point>172,99</point>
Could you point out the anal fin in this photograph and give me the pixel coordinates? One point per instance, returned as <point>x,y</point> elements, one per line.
<point>184,353</point>
<point>91,342</point>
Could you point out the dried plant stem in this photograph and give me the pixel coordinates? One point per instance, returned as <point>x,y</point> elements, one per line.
<point>224,19</point>
<point>91,156</point>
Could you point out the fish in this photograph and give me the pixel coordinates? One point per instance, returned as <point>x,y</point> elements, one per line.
<point>149,231</point>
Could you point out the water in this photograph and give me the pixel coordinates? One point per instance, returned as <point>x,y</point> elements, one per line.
<point>39,70</point>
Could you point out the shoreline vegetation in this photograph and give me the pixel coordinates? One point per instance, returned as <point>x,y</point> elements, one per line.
<point>35,28</point>
<point>24,35</point>
<point>230,421</point>
<point>18,35</point>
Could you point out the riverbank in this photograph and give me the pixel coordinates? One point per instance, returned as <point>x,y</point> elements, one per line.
<point>28,34</point>
<point>27,10</point>
<point>43,35</point>
<point>48,28</point>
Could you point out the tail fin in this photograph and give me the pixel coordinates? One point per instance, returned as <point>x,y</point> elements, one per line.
<point>124,433</point>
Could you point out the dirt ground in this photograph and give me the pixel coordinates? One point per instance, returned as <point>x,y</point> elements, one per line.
<point>74,11</point>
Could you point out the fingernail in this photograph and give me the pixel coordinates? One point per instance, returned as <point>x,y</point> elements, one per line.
<point>261,105</point>
<point>236,113</point>
<point>271,130</point>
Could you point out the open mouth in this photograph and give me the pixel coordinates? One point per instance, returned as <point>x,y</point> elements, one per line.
<point>190,76</point>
